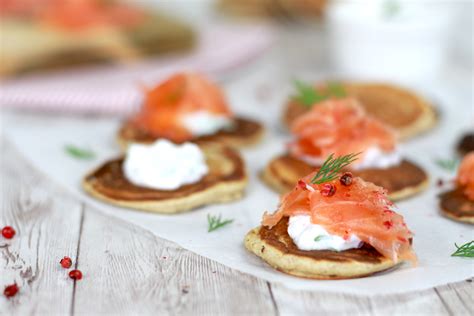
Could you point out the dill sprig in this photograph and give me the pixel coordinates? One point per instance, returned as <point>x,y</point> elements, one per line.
<point>79,153</point>
<point>466,250</point>
<point>447,164</point>
<point>216,222</point>
<point>391,8</point>
<point>308,95</point>
<point>319,237</point>
<point>331,168</point>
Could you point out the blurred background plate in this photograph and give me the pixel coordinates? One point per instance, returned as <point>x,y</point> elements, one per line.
<point>116,89</point>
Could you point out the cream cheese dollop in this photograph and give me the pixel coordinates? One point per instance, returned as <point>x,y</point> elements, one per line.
<point>164,165</point>
<point>373,157</point>
<point>309,236</point>
<point>202,123</point>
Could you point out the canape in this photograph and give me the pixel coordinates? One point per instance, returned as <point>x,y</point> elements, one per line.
<point>164,177</point>
<point>399,108</point>
<point>188,107</point>
<point>332,225</point>
<point>342,126</point>
<point>458,204</point>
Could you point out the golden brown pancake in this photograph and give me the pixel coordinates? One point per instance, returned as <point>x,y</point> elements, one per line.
<point>276,247</point>
<point>466,144</point>
<point>401,181</point>
<point>243,133</point>
<point>225,182</point>
<point>403,110</point>
<point>455,205</point>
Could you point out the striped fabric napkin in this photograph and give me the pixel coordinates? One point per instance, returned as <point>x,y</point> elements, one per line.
<point>116,89</point>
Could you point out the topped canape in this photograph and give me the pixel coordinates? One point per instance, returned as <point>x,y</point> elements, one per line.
<point>333,225</point>
<point>342,126</point>
<point>399,108</point>
<point>188,107</point>
<point>458,204</point>
<point>164,177</point>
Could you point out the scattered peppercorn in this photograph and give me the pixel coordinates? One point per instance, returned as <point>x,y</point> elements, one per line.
<point>346,179</point>
<point>66,262</point>
<point>388,224</point>
<point>302,184</point>
<point>328,190</point>
<point>75,274</point>
<point>10,290</point>
<point>8,232</point>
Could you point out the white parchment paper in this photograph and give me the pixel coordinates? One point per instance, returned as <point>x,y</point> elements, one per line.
<point>41,139</point>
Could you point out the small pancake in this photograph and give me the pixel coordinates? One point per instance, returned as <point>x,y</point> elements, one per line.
<point>276,247</point>
<point>401,181</point>
<point>225,182</point>
<point>455,205</point>
<point>466,144</point>
<point>245,132</point>
<point>403,110</point>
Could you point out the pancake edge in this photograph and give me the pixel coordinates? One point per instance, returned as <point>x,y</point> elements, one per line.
<point>232,141</point>
<point>307,267</point>
<point>219,193</point>
<point>280,187</point>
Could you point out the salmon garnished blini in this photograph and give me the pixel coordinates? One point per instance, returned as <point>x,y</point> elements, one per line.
<point>347,205</point>
<point>465,176</point>
<point>339,126</point>
<point>185,93</point>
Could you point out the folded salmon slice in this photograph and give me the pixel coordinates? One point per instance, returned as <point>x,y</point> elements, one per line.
<point>362,209</point>
<point>465,176</point>
<point>184,93</point>
<point>340,127</point>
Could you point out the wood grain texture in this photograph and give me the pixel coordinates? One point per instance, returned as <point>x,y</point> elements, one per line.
<point>46,223</point>
<point>452,299</point>
<point>129,270</point>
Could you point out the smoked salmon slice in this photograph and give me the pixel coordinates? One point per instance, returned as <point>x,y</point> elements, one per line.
<point>465,176</point>
<point>361,208</point>
<point>339,126</point>
<point>184,93</point>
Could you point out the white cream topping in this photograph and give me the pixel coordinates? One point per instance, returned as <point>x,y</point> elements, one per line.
<point>309,236</point>
<point>373,157</point>
<point>164,165</point>
<point>204,123</point>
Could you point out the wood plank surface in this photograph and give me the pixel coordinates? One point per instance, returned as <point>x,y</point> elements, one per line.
<point>47,228</point>
<point>452,299</point>
<point>128,270</point>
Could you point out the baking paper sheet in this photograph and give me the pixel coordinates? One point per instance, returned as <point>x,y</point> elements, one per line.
<point>42,141</point>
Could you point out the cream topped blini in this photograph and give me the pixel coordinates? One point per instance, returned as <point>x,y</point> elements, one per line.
<point>164,165</point>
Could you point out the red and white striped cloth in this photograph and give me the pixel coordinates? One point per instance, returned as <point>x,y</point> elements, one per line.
<point>116,89</point>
